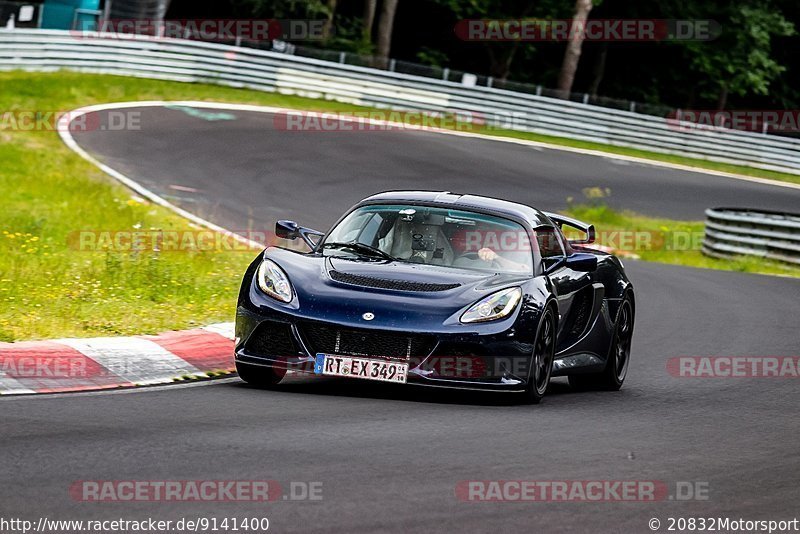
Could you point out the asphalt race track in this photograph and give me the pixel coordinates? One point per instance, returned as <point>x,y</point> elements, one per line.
<point>253,174</point>
<point>389,459</point>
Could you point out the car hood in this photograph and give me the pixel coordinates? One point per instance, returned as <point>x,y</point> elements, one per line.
<point>400,295</point>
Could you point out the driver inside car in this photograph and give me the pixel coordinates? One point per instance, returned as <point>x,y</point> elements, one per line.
<point>497,249</point>
<point>489,256</point>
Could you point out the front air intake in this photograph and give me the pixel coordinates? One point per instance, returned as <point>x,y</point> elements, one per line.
<point>382,283</point>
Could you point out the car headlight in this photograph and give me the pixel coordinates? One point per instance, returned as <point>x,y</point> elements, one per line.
<point>273,281</point>
<point>495,306</point>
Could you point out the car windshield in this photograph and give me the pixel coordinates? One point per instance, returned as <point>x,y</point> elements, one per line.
<point>433,236</point>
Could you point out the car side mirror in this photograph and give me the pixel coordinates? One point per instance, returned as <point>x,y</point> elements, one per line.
<point>291,230</point>
<point>287,229</point>
<point>582,262</point>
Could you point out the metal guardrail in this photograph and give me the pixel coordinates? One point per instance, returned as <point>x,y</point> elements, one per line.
<point>454,75</point>
<point>193,61</point>
<point>734,231</point>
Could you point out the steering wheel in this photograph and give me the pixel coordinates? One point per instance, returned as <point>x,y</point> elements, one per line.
<point>476,256</point>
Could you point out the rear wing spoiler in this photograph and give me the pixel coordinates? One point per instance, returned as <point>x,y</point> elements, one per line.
<point>588,229</point>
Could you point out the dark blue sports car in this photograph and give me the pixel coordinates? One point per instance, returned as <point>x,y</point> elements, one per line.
<point>442,290</point>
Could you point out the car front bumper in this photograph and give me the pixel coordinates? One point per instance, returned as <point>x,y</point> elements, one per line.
<point>492,361</point>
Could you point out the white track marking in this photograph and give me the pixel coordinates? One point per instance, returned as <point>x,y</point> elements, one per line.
<point>66,136</point>
<point>136,360</point>
<point>223,329</point>
<point>12,386</point>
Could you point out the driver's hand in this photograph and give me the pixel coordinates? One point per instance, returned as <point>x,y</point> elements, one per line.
<point>487,254</point>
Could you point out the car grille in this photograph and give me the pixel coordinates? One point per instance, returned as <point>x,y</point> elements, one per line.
<point>271,338</point>
<point>457,360</point>
<point>382,283</point>
<point>331,339</point>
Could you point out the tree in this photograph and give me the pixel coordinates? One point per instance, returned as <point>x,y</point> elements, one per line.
<point>599,69</point>
<point>370,6</point>
<point>503,53</point>
<point>385,26</point>
<point>296,9</point>
<point>572,54</point>
<point>740,62</point>
<point>330,13</point>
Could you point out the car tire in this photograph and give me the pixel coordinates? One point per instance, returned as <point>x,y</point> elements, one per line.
<point>616,369</point>
<point>542,362</point>
<point>262,376</point>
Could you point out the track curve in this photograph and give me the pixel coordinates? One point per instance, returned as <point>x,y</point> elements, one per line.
<point>389,460</point>
<point>257,171</point>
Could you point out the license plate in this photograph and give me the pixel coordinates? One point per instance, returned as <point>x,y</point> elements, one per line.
<point>355,367</point>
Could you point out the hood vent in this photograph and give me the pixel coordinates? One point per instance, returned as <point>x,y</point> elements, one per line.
<point>382,283</point>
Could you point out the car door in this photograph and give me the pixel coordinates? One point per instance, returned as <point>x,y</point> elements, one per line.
<point>573,289</point>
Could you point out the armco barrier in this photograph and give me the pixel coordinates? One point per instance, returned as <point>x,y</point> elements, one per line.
<point>734,231</point>
<point>193,61</point>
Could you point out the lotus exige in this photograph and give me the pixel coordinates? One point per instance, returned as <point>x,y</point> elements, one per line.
<point>442,290</point>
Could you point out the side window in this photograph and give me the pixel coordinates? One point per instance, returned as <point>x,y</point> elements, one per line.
<point>549,245</point>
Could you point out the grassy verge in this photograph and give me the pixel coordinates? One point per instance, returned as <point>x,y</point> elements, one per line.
<point>48,288</point>
<point>665,241</point>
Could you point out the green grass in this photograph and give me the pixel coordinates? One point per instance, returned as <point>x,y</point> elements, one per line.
<point>665,241</point>
<point>49,289</point>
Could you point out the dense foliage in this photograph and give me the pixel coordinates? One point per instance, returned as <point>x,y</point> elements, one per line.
<point>754,63</point>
